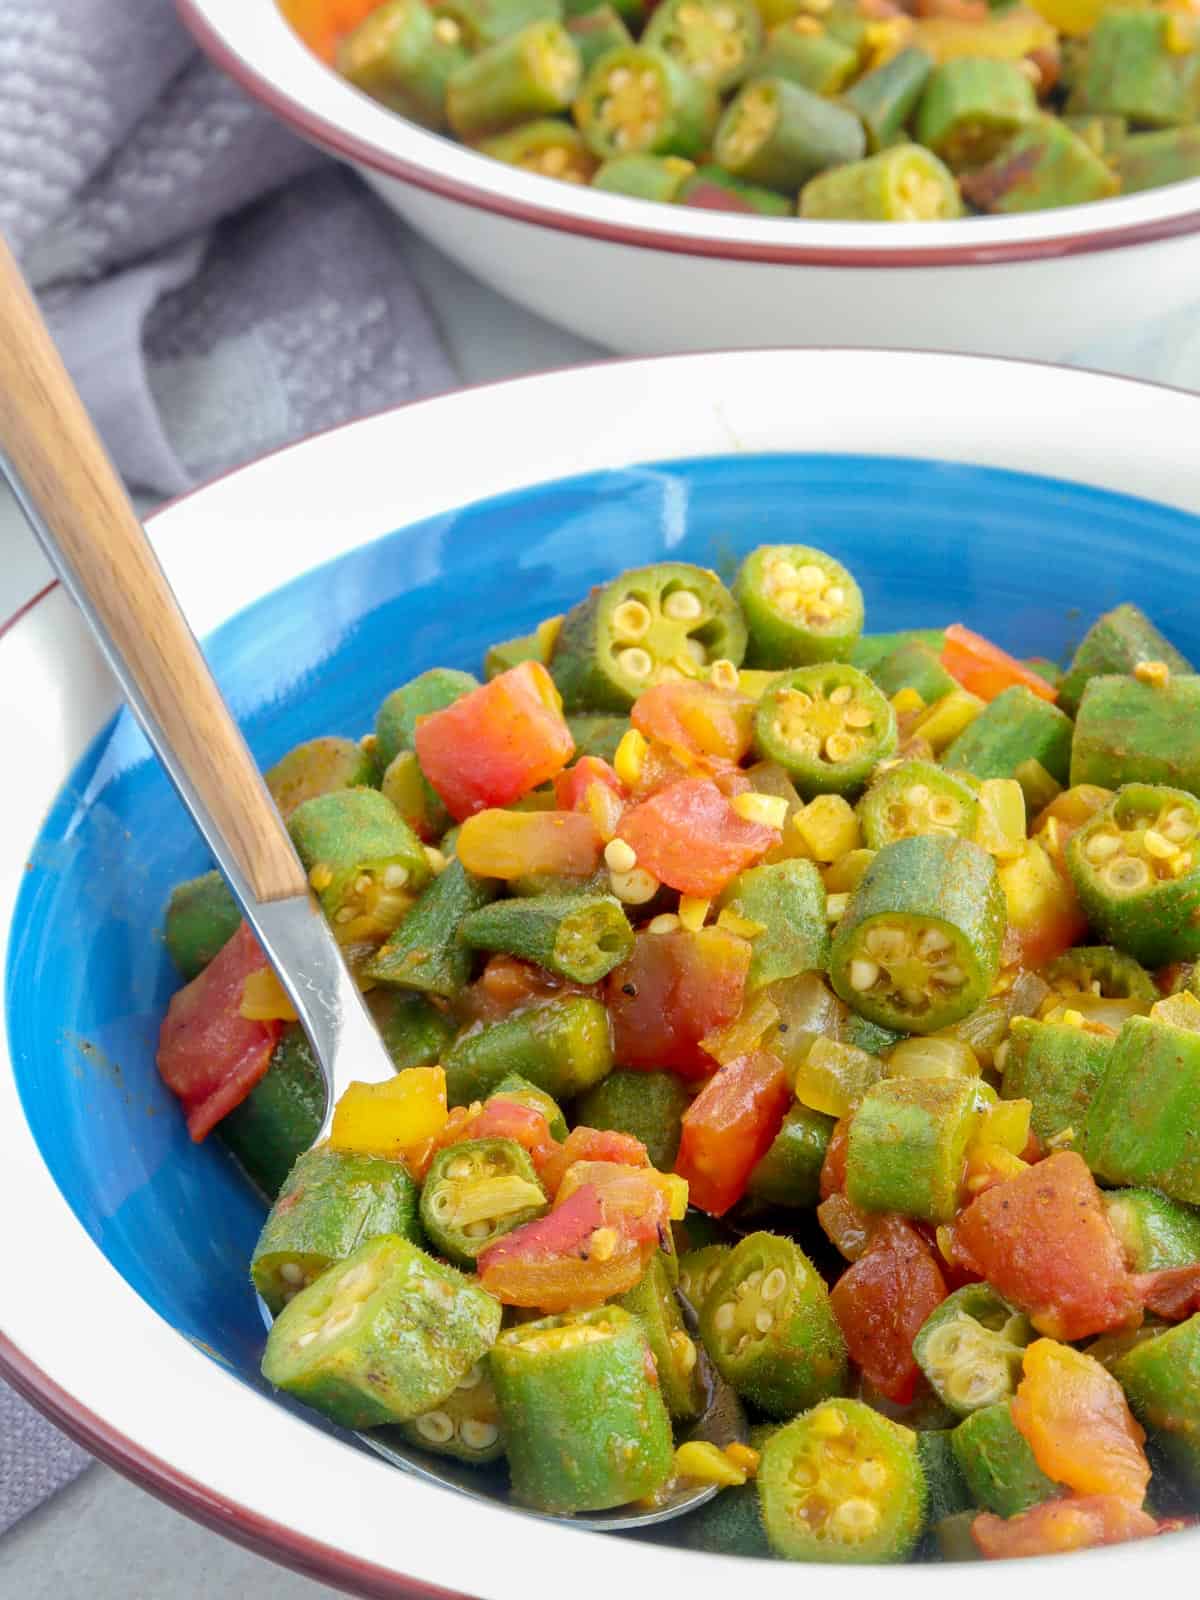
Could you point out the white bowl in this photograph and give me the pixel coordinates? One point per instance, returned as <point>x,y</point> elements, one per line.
<point>647,279</point>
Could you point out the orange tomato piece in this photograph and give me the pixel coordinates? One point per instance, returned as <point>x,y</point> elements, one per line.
<point>673,991</point>
<point>690,837</point>
<point>636,1201</point>
<point>592,1144</point>
<point>696,722</point>
<point>986,670</point>
<point>1173,1292</point>
<point>1078,1423</point>
<point>557,1263</point>
<point>728,1128</point>
<point>514,844</point>
<point>571,787</point>
<point>1058,1526</point>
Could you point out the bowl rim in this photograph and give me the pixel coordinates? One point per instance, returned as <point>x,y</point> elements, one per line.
<point>251,41</point>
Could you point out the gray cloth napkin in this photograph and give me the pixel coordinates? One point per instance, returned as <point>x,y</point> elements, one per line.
<point>216,287</point>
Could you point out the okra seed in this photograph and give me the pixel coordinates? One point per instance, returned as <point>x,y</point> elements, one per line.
<point>292,1272</point>
<point>887,944</point>
<point>783,572</point>
<point>634,888</point>
<point>447,31</point>
<point>477,1230</point>
<point>804,1475</point>
<point>554,161</point>
<point>354,1279</point>
<point>697,651</point>
<point>742,1345</point>
<point>858,716</point>
<point>917,794</point>
<point>636,662</point>
<point>1101,845</point>
<point>459,1169</point>
<point>1157,846</point>
<point>872,1474</point>
<point>339,1321</point>
<point>667,923</point>
<point>841,695</point>
<point>649,81</point>
<point>723,1318</point>
<point>932,943</point>
<point>1127,875</point>
<point>763,1321</point>
<point>478,1435</point>
<point>306,1339</point>
<point>362,883</point>
<point>685,1352</point>
<point>344,915</point>
<point>321,876</point>
<point>631,620</point>
<point>473,1378</point>
<point>682,605</point>
<point>951,974</point>
<point>808,577</point>
<point>436,1426</point>
<point>855,1518</point>
<point>724,674</point>
<point>863,974</point>
<point>944,811</point>
<point>618,855</point>
<point>774,1284</point>
<point>840,747</point>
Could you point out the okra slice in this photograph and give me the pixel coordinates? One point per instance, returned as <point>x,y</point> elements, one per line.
<point>1043,165</point>
<point>596,32</point>
<point>1057,1068</point>
<point>1152,160</point>
<point>873,647</point>
<point>789,1175</point>
<point>971,1348</point>
<point>886,97</point>
<point>402,55</point>
<point>787,901</point>
<point>486,22</point>
<point>1143,1124</point>
<point>319,767</point>
<point>535,646</point>
<point>585,1423</point>
<point>549,147</point>
<point>827,725</point>
<point>642,178</point>
<point>1144,65</point>
<point>1091,971</point>
<point>805,54</point>
<point>414,797</point>
<point>800,606</point>
<point>1118,642</point>
<point>998,1463</point>
<point>699,1271</point>
<point>1136,869</point>
<point>202,916</point>
<point>769,1329</point>
<point>1130,731</point>
<point>426,952</point>
<point>648,1105</point>
<point>780,135</point>
<point>1105,135</point>
<point>913,665</point>
<point>711,189</point>
<point>576,936</point>
<point>915,798</point>
<point>596,733</point>
<point>383,1336</point>
<point>1155,1233</point>
<point>907,1146</point>
<point>715,40</point>
<point>639,100</point>
<point>1016,726</point>
<point>918,946</point>
<point>905,183</point>
<point>330,1203</point>
<point>465,1425</point>
<point>533,73</point>
<point>946,1492</point>
<point>280,1117</point>
<point>396,719</point>
<point>364,861</point>
<point>1161,1380</point>
<point>653,1302</point>
<point>475,1192</point>
<point>644,628</point>
<point>514,1087</point>
<point>562,1046</point>
<point>842,1483</point>
<point>971,107</point>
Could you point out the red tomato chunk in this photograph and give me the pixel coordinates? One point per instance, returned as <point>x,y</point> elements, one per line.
<point>882,1301</point>
<point>676,989</point>
<point>690,837</point>
<point>728,1128</point>
<point>1061,1525</point>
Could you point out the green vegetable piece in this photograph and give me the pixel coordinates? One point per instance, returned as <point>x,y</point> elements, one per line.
<point>711,189</point>
<point>586,1426</point>
<point>789,1175</point>
<point>402,55</point>
<point>332,1201</point>
<point>800,606</point>
<point>971,108</point>
<point>769,1329</point>
<point>561,1046</point>
<point>1057,1068</point>
<point>632,12</point>
<point>1161,1380</point>
<point>916,798</point>
<point>396,720</point>
<point>648,1105</point>
<point>578,937</point>
<point>729,1525</point>
<point>827,726</point>
<point>426,951</point>
<point>475,1192</point>
<point>908,1143</point>
<point>971,1348</point>
<point>529,74</point>
<point>986,1028</point>
<point>946,1492</point>
<point>886,97</point>
<point>818,1504</point>
<point>780,135</point>
<point>1132,732</point>
<point>816,60</point>
<point>913,665</point>
<point>319,767</point>
<point>415,1032</point>
<point>1045,668</point>
<point>918,946</point>
<point>873,647</point>
<point>1117,642</point>
<point>714,40</point>
<point>1155,1233</point>
<point>637,100</point>
<point>868,1036</point>
<point>699,1270</point>
<point>202,916</point>
<point>1152,160</point>
<point>653,1302</point>
<point>787,900</point>
<point>362,858</point>
<point>905,183</point>
<point>414,797</point>
<point>465,1425</point>
<point>554,149</point>
<point>280,1117</point>
<point>596,733</point>
<point>514,1087</point>
<point>1105,135</point>
<point>1144,65</point>
<point>952,1535</point>
<point>1043,165</point>
<point>1016,726</point>
<point>642,178</point>
<point>1088,971</point>
<point>486,22</point>
<point>1143,1125</point>
<point>383,1336</point>
<point>628,632</point>
<point>596,32</point>
<point>998,1464</point>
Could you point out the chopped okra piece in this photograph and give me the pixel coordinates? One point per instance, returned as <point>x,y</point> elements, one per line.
<point>714,40</point>
<point>780,135</point>
<point>971,1349</point>
<point>485,22</point>
<point>730,1524</point>
<point>787,901</point>
<point>638,100</point>
<point>383,1336</point>
<point>414,797</point>
<point>873,647</point>
<point>465,1425</point>
<point>653,1302</point>
<point>711,189</point>
<point>396,719</point>
<point>971,107</point>
<point>918,947</point>
<point>647,1105</point>
<point>549,147</point>
<point>1105,135</point>
<point>514,1087</point>
<point>280,1117</point>
<point>915,798</point>
<point>1144,65</point>
<point>1138,730</point>
<point>364,861</point>
<point>415,1031</point>
<point>905,183</point>
<point>998,1463</point>
<point>402,55</point>
<point>886,97</point>
<point>800,606</point>
<point>1151,160</point>
<point>789,1175</point>
<point>1057,1068</point>
<point>426,952</point>
<point>529,74</point>
<point>1136,870</point>
<point>1014,727</point>
<point>1118,642</point>
<point>699,1271</point>
<point>842,1483</point>
<point>1143,1124</point>
<point>1098,970</point>
<point>769,1329</point>
<point>535,646</point>
<point>331,1202</point>
<point>827,726</point>
<point>809,56</point>
<point>1043,165</point>
<point>648,626</point>
<point>908,1143</point>
<point>596,32</point>
<point>642,178</point>
<point>319,767</point>
<point>913,665</point>
<point>576,936</point>
<point>946,1492</point>
<point>202,916</point>
<point>597,733</point>
<point>476,1191</point>
<point>585,1423</point>
<point>1159,1377</point>
<point>562,1046</point>
<point>1155,1233</point>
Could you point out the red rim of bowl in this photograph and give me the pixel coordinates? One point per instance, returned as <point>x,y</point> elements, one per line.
<point>330,136</point>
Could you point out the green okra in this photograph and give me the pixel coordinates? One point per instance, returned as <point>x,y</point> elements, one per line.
<point>280,1117</point>
<point>780,135</point>
<point>1016,726</point>
<point>699,1270</point>
<point>654,1303</point>
<point>827,726</point>
<point>800,606</point>
<point>548,146</point>
<point>642,178</point>
<point>986,1028</point>
<point>1161,1380</point>
<point>1043,165</point>
<point>815,60</point>
<point>319,767</point>
<point>426,951</point>
<point>1143,65</point>
<point>1099,970</point>
<point>397,718</point>
<point>971,1348</point>
<point>1117,643</point>
<point>873,647</point>
<point>769,1329</point>
<point>868,1036</point>
<point>946,1492</point>
<point>1105,135</point>
<point>998,1463</point>
<point>711,189</point>
<point>715,40</point>
<point>465,1425</point>
<point>533,73</point>
<point>562,1046</point>
<point>787,900</point>
<point>637,100</point>
<point>485,22</point>
<point>789,1175</point>
<point>415,1031</point>
<point>916,798</point>
<point>904,183</point>
<point>535,646</point>
<point>918,947</point>
<point>1127,731</point>
<point>952,1536</point>
<point>907,1147</point>
<point>970,109</point>
<point>475,1192</point>
<point>730,1524</point>
<point>1151,160</point>
<point>586,1426</point>
<point>597,733</point>
<point>1057,1068</point>
<point>414,797</point>
<point>633,13</point>
<point>402,55</point>
<point>1143,1123</point>
<point>647,1105</point>
<point>913,665</point>
<point>331,1202</point>
<point>514,1087</point>
<point>1155,1233</point>
<point>886,97</point>
<point>597,31</point>
<point>383,1336</point>
<point>202,916</point>
<point>818,1502</point>
<point>578,937</point>
<point>362,858</point>
<point>628,632</point>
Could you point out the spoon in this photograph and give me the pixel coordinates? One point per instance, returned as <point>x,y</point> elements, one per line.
<point>78,510</point>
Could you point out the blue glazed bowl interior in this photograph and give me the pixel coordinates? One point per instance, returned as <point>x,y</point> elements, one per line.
<point>1030,561</point>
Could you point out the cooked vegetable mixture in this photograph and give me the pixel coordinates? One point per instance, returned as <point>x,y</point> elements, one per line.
<point>859,110</point>
<point>816,1010</point>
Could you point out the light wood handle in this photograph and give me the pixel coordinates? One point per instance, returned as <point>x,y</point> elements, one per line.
<point>66,475</point>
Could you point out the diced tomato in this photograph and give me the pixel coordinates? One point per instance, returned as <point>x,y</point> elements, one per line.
<point>696,722</point>
<point>1044,916</point>
<point>1173,1293</point>
<point>882,1301</point>
<point>571,787</point>
<point>496,743</point>
<point>419,1160</point>
<point>506,984</point>
<point>514,844</point>
<point>323,23</point>
<point>547,1263</point>
<point>847,1228</point>
<point>833,1168</point>
<point>1057,1526</point>
<point>1078,1423</point>
<point>593,1144</point>
<point>1043,1241</point>
<point>209,1055</point>
<point>690,837</point>
<point>728,1128</point>
<point>674,990</point>
<point>511,1119</point>
<point>637,1201</point>
<point>986,670</point>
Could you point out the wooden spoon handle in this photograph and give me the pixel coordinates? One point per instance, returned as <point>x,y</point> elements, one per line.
<point>80,511</point>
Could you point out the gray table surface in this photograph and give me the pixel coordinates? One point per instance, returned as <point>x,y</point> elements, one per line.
<point>102,1538</point>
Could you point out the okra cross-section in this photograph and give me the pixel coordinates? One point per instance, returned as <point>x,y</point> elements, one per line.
<point>554,149</point>
<point>971,1349</point>
<point>913,798</point>
<point>780,135</point>
<point>1161,1380</point>
<point>402,55</point>
<point>362,858</point>
<point>1138,730</point>
<point>800,606</point>
<point>919,944</point>
<point>715,40</point>
<point>907,1146</point>
<point>653,1302</point>
<point>529,74</point>
<point>465,1425</point>
<point>579,937</point>
<point>827,725</point>
<point>475,1192</point>
<point>905,183</point>
<point>638,99</point>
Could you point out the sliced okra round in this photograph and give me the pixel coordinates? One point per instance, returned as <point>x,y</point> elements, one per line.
<point>716,40</point>
<point>550,147</point>
<point>886,97</point>
<point>319,767</point>
<point>1156,1234</point>
<point>827,725</point>
<point>533,73</point>
<point>906,183</point>
<point>1100,971</point>
<point>1117,643</point>
<point>642,178</point>
<point>907,1146</point>
<point>465,1425</point>
<point>653,1302</point>
<point>781,135</point>
<point>402,55</point>
<point>640,100</point>
<point>699,1271</point>
<point>971,107</point>
<point>970,1349</point>
<point>789,1175</point>
<point>576,936</point>
<point>1158,1376</point>
<point>396,719</point>
<point>1138,728</point>
<point>799,50</point>
<point>563,1046</point>
<point>800,606</point>
<point>999,1464</point>
<point>475,1192</point>
<point>414,797</point>
<point>914,798</point>
<point>363,860</point>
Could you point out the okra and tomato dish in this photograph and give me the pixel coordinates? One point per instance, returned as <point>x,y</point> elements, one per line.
<point>768,1000</point>
<point>858,110</point>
